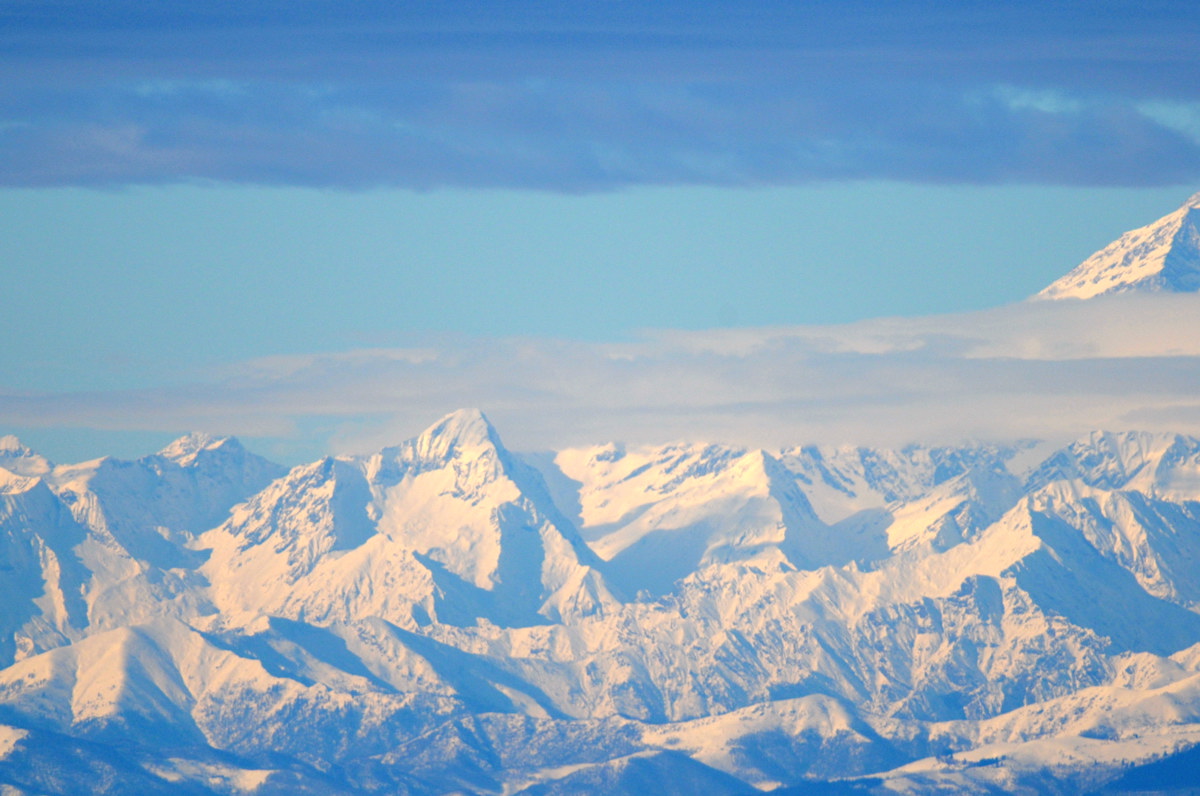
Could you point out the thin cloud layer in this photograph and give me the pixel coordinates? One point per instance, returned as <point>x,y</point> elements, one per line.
<point>1033,370</point>
<point>582,97</point>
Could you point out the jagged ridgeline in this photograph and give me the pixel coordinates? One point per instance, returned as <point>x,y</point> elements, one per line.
<point>447,615</point>
<point>450,616</point>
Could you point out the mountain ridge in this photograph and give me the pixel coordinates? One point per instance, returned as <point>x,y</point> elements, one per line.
<point>437,614</point>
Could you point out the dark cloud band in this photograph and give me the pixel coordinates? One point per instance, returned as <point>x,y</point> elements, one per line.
<point>591,96</point>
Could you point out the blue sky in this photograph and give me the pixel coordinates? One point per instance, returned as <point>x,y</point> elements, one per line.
<point>186,188</point>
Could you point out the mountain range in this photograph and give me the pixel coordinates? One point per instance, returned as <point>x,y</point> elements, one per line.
<point>449,616</point>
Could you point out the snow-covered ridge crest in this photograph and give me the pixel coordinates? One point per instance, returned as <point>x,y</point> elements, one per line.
<point>1160,257</point>
<point>12,483</point>
<point>1157,465</point>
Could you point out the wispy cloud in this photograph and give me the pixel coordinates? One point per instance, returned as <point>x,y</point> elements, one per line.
<point>593,96</point>
<point>1045,369</point>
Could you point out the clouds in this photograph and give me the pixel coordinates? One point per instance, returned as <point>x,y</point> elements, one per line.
<point>577,98</point>
<point>582,97</point>
<point>1042,370</point>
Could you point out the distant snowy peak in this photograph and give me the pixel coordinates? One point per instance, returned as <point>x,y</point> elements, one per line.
<point>465,429</point>
<point>17,458</point>
<point>313,509</point>
<point>1163,257</point>
<point>184,450</point>
<point>464,436</point>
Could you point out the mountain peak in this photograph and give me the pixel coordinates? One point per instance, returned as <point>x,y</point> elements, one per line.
<point>11,445</point>
<point>459,430</point>
<point>1163,257</point>
<point>184,450</point>
<point>16,457</point>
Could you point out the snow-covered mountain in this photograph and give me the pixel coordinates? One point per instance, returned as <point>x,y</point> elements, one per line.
<point>448,616</point>
<point>1160,257</point>
<point>448,527</point>
<point>17,458</point>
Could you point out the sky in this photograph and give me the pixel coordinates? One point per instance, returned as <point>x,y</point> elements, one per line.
<point>235,201</point>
